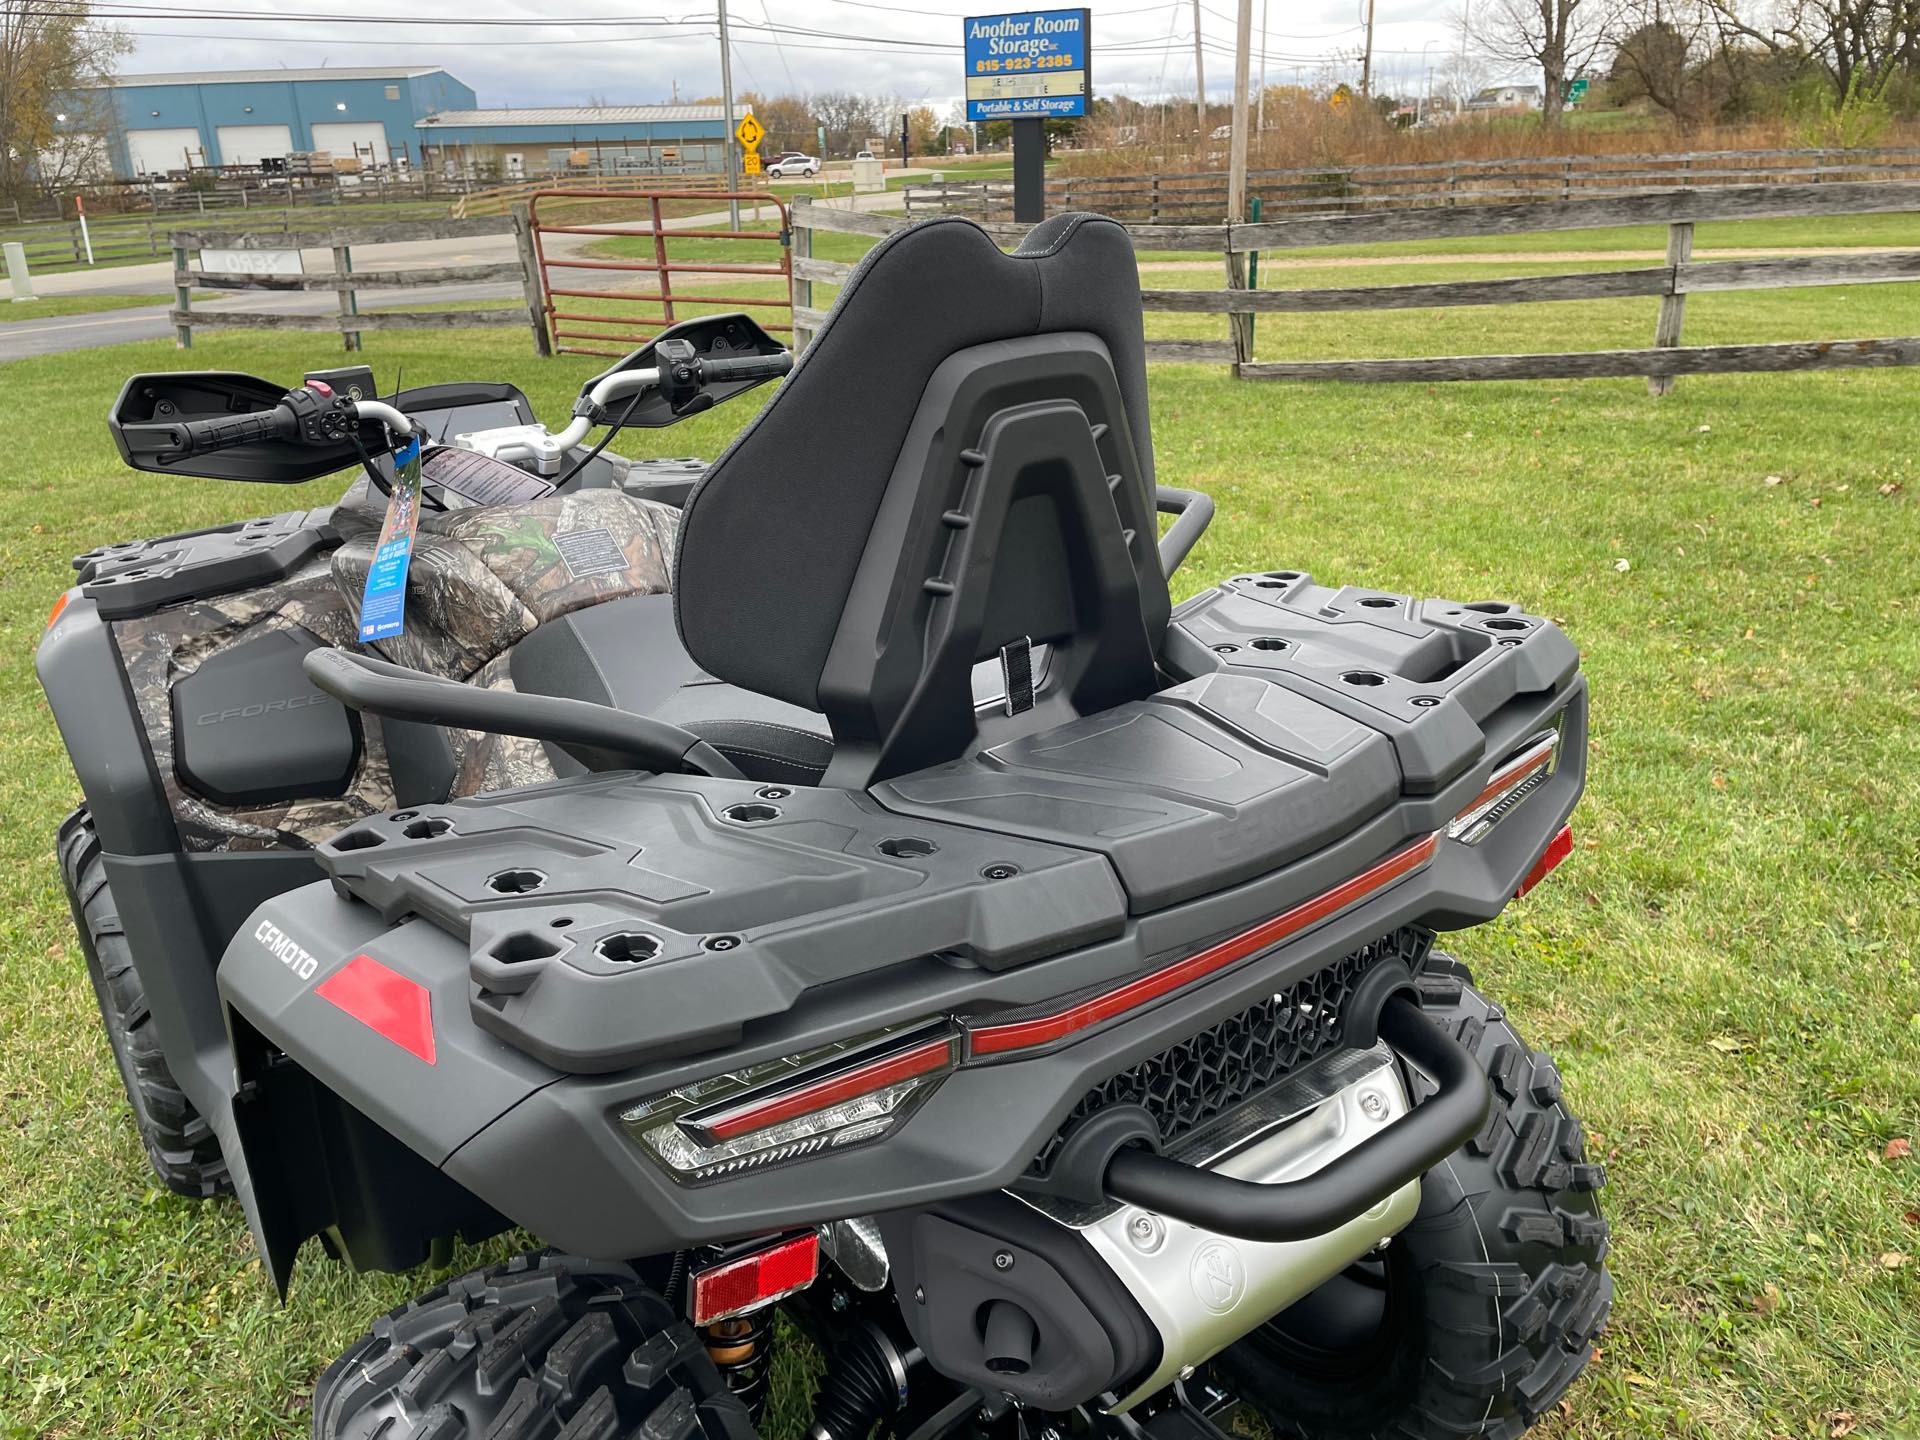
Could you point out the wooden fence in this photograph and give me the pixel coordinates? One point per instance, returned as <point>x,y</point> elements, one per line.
<point>1670,282</point>
<point>347,282</point>
<point>1343,189</point>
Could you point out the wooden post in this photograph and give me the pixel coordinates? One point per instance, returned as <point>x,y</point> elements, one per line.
<point>530,285</point>
<point>800,220</point>
<point>349,300</point>
<point>1239,326</point>
<point>1673,305</point>
<point>183,301</point>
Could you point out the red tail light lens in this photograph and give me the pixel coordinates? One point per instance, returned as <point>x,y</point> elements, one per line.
<point>741,1286</point>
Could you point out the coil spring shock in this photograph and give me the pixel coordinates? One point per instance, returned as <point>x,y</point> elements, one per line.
<point>742,1351</point>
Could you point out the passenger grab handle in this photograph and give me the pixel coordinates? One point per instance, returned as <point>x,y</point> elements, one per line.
<point>1348,1185</point>
<point>379,687</point>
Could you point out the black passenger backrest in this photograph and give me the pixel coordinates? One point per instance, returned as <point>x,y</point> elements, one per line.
<point>961,461</point>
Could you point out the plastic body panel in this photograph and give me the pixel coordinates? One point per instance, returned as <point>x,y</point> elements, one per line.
<point>249,727</point>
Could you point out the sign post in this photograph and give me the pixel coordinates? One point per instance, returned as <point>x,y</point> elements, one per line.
<point>1029,68</point>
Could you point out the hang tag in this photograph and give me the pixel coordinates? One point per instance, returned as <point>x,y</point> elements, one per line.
<point>481,478</point>
<point>383,606</point>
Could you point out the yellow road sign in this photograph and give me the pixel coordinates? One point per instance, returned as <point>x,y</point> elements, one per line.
<point>749,132</point>
<point>750,163</point>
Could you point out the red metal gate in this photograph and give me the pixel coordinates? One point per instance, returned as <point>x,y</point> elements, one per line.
<point>652,225</point>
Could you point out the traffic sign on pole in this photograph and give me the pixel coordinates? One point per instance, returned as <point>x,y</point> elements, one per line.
<point>749,132</point>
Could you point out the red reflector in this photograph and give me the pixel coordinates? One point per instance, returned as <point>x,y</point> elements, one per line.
<point>1558,849</point>
<point>59,606</point>
<point>1025,1034</point>
<point>754,1280</point>
<point>385,1002</point>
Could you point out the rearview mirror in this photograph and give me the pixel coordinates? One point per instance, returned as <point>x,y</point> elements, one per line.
<point>713,337</point>
<point>146,418</point>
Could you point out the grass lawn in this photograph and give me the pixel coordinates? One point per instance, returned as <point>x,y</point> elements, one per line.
<point>1725,968</point>
<point>48,307</point>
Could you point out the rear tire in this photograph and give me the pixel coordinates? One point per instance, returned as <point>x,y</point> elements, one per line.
<point>181,1147</point>
<point>545,1347</point>
<point>1481,1312</point>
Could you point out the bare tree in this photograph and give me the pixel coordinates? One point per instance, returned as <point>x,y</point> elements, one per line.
<point>53,116</point>
<point>1561,37</point>
<point>1662,51</point>
<point>1852,41</point>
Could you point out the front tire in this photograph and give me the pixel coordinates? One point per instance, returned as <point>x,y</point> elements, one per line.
<point>182,1148</point>
<point>1482,1312</point>
<point>544,1347</point>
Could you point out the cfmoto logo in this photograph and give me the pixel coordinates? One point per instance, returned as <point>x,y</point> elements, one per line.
<point>288,951</point>
<point>1217,1276</point>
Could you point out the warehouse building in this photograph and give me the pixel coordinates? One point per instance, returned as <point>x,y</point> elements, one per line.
<point>613,140</point>
<point>162,123</point>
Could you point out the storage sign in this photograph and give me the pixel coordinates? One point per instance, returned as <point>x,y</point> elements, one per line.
<point>1031,65</point>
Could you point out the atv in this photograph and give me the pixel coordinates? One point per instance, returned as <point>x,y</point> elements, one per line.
<point>834,883</point>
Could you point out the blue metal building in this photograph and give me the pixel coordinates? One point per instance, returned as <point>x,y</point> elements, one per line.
<point>160,123</point>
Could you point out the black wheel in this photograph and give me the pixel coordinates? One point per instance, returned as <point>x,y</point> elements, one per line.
<point>1477,1317</point>
<point>182,1148</point>
<point>545,1347</point>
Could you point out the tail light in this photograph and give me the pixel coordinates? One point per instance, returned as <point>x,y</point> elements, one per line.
<point>830,1098</point>
<point>1515,778</point>
<point>745,1283</point>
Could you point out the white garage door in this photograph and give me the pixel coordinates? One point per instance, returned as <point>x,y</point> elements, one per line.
<point>250,144</point>
<point>348,138</point>
<point>154,152</point>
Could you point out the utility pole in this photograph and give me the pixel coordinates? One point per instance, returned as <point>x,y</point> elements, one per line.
<point>1261,123</point>
<point>1199,75</point>
<point>1366,59</point>
<point>726,116</point>
<point>1237,174</point>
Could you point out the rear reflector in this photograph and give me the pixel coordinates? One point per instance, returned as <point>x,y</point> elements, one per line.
<point>59,607</point>
<point>736,1287</point>
<point>1558,849</point>
<point>385,1002</point>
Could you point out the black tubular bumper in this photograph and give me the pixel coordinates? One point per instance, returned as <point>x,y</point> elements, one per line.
<point>1352,1184</point>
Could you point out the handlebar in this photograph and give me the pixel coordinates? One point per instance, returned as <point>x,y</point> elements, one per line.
<point>222,432</point>
<point>303,415</point>
<point>746,367</point>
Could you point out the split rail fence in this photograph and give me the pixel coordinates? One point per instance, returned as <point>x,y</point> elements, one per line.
<point>1669,282</point>
<point>348,320</point>
<point>1196,196</point>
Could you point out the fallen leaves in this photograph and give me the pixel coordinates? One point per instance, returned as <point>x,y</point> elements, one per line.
<point>1623,565</point>
<point>1767,1301</point>
<point>1892,487</point>
<point>1898,1148</point>
<point>1773,480</point>
<point>1843,1424</point>
<point>1895,1260</point>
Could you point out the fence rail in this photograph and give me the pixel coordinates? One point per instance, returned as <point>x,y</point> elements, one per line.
<point>1343,189</point>
<point>1670,283</point>
<point>348,321</point>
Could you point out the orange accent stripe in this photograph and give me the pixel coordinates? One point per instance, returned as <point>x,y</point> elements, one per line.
<point>59,607</point>
<point>1045,1029</point>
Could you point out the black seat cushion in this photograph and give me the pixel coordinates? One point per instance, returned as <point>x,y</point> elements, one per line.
<point>627,653</point>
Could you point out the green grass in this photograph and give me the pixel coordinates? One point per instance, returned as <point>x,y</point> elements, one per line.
<point>47,307</point>
<point>1725,968</point>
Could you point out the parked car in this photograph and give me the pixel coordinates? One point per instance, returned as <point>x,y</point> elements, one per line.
<point>865,155</point>
<point>794,163</point>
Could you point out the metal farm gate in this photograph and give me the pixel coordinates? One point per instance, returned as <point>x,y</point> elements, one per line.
<point>646,310</point>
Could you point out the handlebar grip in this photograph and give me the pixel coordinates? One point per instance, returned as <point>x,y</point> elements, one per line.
<point>746,367</point>
<point>201,437</point>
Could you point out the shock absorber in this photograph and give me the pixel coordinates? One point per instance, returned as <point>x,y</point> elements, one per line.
<point>866,1381</point>
<point>742,1351</point>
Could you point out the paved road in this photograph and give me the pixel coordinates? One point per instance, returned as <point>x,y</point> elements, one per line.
<point>26,336</point>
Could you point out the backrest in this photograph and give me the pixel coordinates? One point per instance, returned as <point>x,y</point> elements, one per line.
<point>803,550</point>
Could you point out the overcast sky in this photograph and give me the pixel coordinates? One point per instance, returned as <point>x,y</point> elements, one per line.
<point>571,51</point>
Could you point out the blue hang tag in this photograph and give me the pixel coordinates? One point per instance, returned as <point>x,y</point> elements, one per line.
<point>383,606</point>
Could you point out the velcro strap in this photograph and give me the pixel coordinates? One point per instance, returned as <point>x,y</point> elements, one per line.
<point>1016,668</point>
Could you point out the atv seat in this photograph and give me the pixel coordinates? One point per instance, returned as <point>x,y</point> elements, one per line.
<point>955,475</point>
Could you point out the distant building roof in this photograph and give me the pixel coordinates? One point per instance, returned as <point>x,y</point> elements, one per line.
<point>580,115</point>
<point>256,77</point>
